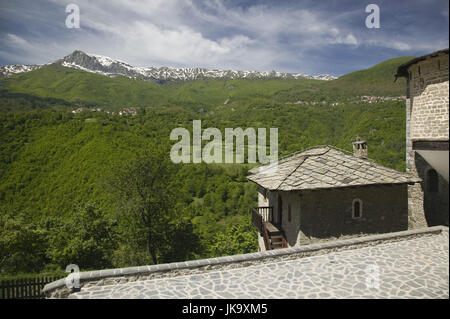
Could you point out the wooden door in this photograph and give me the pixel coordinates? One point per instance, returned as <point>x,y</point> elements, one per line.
<point>280,211</point>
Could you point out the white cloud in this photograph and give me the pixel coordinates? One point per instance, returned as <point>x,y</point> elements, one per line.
<point>30,51</point>
<point>392,44</point>
<point>182,33</point>
<point>349,39</point>
<point>17,41</point>
<point>207,34</point>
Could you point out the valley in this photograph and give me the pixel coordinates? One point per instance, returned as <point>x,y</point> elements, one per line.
<point>56,164</point>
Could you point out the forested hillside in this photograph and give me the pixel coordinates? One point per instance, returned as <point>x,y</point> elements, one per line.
<point>80,87</point>
<point>60,202</point>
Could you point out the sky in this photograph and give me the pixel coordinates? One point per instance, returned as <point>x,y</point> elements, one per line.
<point>297,36</point>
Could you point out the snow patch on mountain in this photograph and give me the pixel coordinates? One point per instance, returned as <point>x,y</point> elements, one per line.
<point>112,67</point>
<point>8,70</point>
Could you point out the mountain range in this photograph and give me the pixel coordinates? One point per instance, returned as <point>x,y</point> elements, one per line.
<point>112,67</point>
<point>82,79</point>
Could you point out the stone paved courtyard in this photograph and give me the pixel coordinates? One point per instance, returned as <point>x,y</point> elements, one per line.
<point>415,268</point>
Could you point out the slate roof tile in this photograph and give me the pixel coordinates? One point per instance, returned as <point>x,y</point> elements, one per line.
<point>325,167</point>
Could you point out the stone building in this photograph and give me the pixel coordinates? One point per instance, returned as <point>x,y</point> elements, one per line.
<point>324,192</point>
<point>427,109</point>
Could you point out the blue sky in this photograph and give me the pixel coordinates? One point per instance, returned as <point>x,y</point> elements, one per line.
<point>312,37</point>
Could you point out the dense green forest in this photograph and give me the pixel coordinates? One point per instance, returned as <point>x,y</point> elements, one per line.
<point>71,183</point>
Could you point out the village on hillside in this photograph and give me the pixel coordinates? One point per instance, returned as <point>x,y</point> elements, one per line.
<point>122,112</point>
<point>364,98</point>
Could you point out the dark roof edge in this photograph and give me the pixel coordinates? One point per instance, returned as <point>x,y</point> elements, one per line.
<point>342,187</point>
<point>402,70</point>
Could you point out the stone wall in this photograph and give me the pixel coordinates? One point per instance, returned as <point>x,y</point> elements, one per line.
<point>99,278</point>
<point>429,99</point>
<point>327,214</point>
<point>292,201</point>
<point>263,200</point>
<point>427,118</point>
<point>416,212</point>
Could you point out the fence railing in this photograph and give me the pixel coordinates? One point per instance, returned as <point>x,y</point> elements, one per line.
<point>261,215</point>
<point>27,288</point>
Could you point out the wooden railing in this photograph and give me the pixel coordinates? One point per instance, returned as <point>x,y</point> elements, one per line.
<point>257,221</point>
<point>261,215</point>
<point>266,237</point>
<point>27,288</point>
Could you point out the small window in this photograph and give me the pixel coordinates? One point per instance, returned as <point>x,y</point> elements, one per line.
<point>357,208</point>
<point>432,181</point>
<point>289,213</point>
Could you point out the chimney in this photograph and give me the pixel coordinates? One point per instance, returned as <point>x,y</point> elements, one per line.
<point>359,148</point>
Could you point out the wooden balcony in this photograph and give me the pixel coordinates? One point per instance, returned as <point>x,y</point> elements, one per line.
<point>262,220</point>
<point>261,215</point>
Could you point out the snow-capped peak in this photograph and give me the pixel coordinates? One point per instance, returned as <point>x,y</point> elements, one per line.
<point>113,67</point>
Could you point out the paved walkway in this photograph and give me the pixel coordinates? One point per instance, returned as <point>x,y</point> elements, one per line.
<point>416,268</point>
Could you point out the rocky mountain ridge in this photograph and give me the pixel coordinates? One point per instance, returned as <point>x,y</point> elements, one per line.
<point>112,67</point>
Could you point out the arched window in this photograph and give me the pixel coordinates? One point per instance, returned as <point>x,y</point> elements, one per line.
<point>357,208</point>
<point>289,213</point>
<point>432,181</point>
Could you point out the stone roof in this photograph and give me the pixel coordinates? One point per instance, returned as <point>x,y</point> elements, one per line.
<point>325,167</point>
<point>402,69</point>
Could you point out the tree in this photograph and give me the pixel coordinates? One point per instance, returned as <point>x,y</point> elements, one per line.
<point>235,240</point>
<point>146,194</point>
<point>22,245</point>
<point>86,237</point>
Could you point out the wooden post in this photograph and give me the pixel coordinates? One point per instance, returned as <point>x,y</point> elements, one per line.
<point>22,288</point>
<point>38,286</point>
